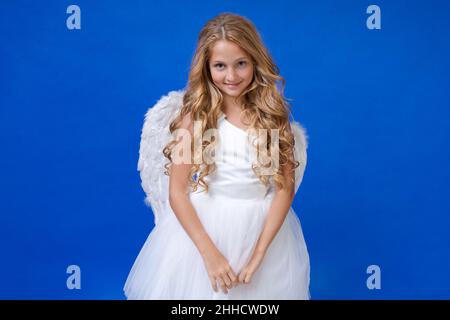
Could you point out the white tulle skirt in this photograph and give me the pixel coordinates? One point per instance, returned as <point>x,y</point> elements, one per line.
<point>169,265</point>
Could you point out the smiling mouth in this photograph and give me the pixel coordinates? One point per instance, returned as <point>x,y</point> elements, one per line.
<point>232,84</point>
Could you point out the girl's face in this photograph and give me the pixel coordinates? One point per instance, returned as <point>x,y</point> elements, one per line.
<point>231,68</point>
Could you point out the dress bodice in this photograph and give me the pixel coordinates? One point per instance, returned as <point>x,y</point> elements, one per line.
<point>234,156</point>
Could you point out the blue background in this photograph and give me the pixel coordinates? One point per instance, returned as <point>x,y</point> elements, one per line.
<point>375,104</point>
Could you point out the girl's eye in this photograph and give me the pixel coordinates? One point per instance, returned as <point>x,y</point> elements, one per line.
<point>240,64</point>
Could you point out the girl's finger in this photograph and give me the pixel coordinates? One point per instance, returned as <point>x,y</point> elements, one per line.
<point>222,285</point>
<point>213,283</point>
<point>242,276</point>
<point>248,277</point>
<point>227,280</point>
<point>234,279</point>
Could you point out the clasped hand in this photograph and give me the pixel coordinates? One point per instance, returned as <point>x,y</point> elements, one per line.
<point>220,271</point>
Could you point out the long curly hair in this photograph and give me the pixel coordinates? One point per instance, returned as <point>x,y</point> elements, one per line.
<point>263,101</point>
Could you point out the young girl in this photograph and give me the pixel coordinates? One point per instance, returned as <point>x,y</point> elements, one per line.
<point>224,229</point>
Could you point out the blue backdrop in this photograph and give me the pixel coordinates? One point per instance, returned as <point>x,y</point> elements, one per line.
<point>375,103</point>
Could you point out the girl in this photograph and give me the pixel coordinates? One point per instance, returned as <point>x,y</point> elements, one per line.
<point>224,229</point>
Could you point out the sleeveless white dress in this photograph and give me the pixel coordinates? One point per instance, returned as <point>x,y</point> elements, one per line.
<point>233,212</point>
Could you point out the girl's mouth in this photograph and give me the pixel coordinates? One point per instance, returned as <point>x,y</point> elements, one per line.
<point>232,85</point>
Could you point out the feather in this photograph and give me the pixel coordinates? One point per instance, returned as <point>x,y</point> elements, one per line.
<point>300,154</point>
<point>154,137</point>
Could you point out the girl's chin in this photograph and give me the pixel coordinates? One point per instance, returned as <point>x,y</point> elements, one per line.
<point>230,92</point>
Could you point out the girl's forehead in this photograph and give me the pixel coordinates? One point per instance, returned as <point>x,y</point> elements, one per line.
<point>227,50</point>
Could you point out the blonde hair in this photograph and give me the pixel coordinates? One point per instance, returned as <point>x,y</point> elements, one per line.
<point>264,106</point>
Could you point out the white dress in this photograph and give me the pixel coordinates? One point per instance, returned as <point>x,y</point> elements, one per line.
<point>233,212</point>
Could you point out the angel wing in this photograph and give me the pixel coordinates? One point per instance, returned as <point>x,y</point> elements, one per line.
<point>300,154</point>
<point>154,137</point>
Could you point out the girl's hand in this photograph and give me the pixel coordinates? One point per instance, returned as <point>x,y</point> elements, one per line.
<point>219,270</point>
<point>247,272</point>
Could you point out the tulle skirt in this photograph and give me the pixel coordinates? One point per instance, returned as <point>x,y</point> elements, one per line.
<point>169,265</point>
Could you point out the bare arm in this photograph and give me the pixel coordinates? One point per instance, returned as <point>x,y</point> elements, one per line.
<point>181,204</point>
<point>279,208</point>
<point>219,270</point>
<point>278,211</point>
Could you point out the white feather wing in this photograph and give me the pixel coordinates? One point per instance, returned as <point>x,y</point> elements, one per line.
<point>154,137</point>
<point>300,154</point>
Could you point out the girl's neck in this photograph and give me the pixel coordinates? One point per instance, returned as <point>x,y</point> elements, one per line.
<point>231,106</point>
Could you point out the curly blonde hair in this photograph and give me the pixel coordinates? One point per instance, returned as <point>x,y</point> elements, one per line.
<point>263,102</point>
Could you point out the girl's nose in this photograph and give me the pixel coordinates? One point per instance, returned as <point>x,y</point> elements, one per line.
<point>231,76</point>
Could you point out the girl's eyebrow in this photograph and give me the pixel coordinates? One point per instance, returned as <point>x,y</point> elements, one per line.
<point>218,61</point>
